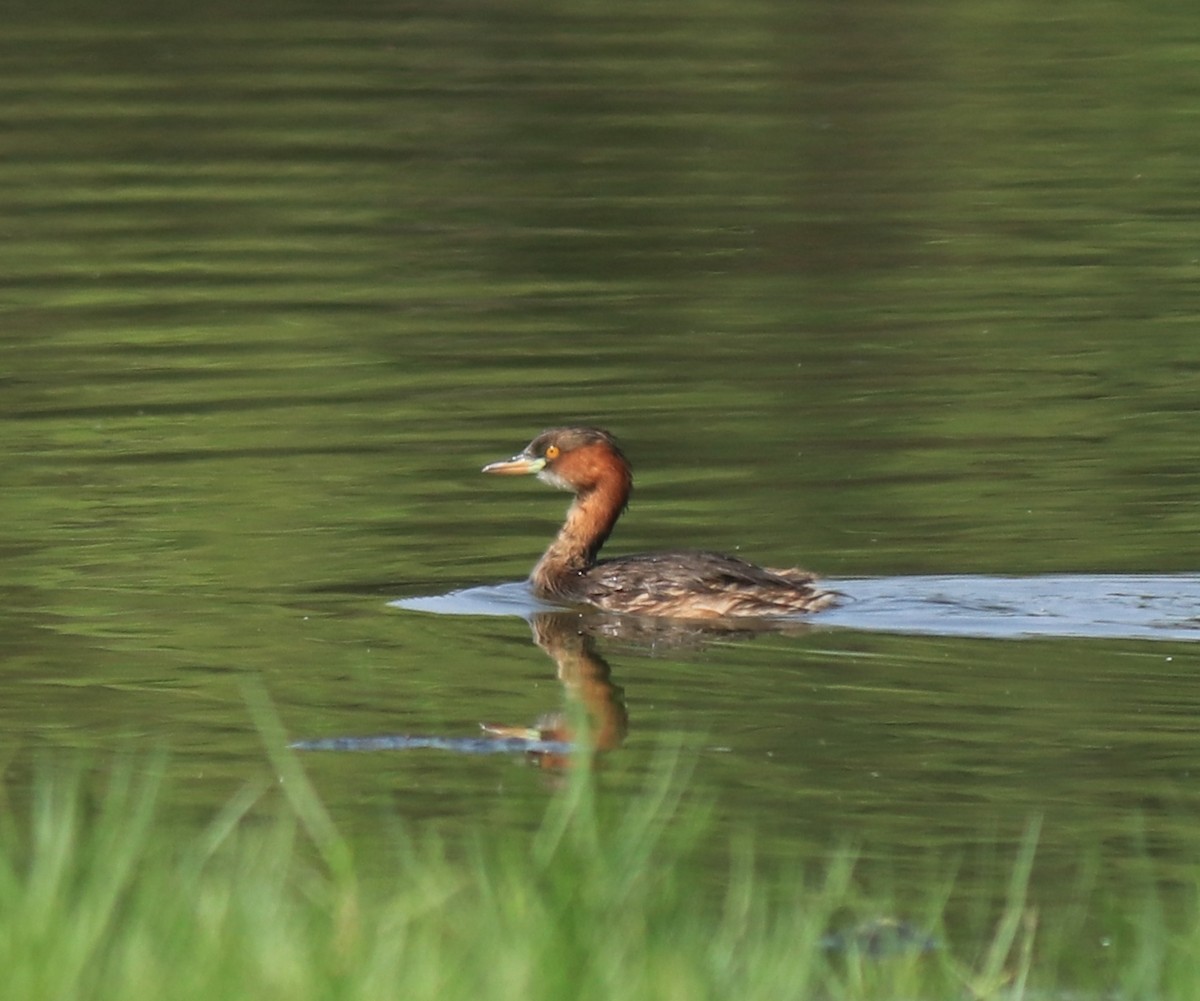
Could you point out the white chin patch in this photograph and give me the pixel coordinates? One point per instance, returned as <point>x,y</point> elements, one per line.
<point>549,476</point>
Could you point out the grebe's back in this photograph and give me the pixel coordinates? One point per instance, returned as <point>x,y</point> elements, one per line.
<point>700,585</point>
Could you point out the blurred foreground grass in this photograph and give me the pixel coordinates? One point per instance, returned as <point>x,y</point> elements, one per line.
<point>99,899</point>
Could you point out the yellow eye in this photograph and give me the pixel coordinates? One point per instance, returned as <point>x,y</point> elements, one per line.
<point>552,452</point>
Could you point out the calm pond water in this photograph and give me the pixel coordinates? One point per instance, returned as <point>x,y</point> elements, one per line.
<point>905,294</point>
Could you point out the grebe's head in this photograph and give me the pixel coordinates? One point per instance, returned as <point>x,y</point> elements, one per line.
<point>575,459</point>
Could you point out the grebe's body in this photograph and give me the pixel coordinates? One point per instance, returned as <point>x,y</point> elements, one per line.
<point>685,585</point>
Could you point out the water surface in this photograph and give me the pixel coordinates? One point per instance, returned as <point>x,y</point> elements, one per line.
<point>907,295</point>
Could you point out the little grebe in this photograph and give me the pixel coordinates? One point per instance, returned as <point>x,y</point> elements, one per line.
<point>684,585</point>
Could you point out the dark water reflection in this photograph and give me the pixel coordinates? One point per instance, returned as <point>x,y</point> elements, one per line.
<point>884,290</point>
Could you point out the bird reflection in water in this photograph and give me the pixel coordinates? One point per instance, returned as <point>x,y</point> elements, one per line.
<point>570,640</point>
<point>594,718</point>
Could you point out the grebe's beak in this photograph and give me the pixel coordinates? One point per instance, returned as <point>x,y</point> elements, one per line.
<point>518,465</point>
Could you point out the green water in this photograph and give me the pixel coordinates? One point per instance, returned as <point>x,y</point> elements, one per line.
<point>878,289</point>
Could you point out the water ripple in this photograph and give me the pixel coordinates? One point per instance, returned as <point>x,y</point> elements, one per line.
<point>1151,606</point>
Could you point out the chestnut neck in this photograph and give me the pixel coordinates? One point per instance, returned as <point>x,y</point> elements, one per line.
<point>589,522</point>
